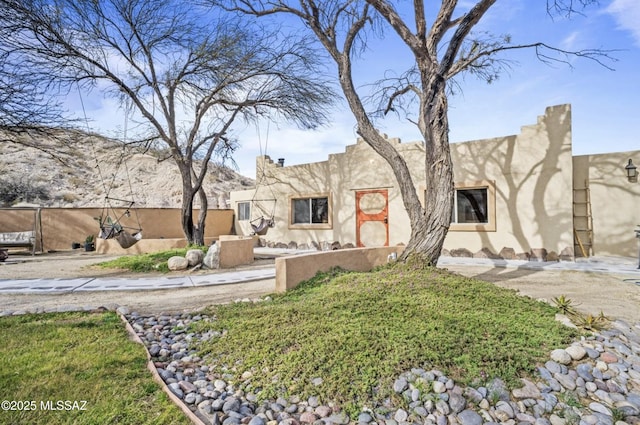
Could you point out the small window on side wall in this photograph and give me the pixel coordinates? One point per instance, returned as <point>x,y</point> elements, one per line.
<point>244,211</point>
<point>312,211</point>
<point>474,207</point>
<point>470,206</point>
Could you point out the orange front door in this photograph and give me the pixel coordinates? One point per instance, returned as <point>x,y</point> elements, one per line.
<point>372,218</point>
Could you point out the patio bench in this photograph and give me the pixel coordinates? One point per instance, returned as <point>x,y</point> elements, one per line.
<point>25,239</point>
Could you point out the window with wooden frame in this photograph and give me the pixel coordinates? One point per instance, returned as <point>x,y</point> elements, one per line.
<point>474,207</point>
<point>312,211</point>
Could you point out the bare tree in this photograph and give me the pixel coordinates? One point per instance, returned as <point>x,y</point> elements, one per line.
<point>188,72</point>
<point>442,50</point>
<point>567,7</point>
<point>28,109</point>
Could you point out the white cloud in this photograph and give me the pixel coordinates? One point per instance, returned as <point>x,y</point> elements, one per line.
<point>294,145</point>
<point>570,41</point>
<point>627,15</point>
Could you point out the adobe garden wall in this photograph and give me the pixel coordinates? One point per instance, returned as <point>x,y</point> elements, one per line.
<point>57,228</point>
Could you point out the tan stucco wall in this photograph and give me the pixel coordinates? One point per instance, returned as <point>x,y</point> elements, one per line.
<point>18,219</point>
<point>359,168</point>
<point>532,173</point>
<point>235,251</point>
<point>62,226</point>
<point>292,270</point>
<point>615,202</point>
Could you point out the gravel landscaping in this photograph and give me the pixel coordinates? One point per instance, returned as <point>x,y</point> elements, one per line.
<point>596,380</point>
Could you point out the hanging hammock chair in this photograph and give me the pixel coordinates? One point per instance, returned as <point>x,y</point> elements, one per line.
<point>113,229</point>
<point>110,223</point>
<point>262,226</point>
<point>127,240</point>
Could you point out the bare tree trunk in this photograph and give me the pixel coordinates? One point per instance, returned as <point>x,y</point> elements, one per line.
<point>429,230</point>
<point>186,218</point>
<point>202,218</point>
<point>429,224</point>
<point>194,233</point>
<point>186,210</point>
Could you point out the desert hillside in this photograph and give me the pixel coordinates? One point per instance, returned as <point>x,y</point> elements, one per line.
<point>87,167</point>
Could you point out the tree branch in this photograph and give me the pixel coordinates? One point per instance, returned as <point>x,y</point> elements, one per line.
<point>601,57</point>
<point>465,25</point>
<point>567,8</point>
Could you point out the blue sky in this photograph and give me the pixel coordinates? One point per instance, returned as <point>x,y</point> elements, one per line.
<point>605,104</point>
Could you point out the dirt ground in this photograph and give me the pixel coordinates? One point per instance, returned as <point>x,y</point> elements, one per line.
<point>616,295</point>
<point>70,265</point>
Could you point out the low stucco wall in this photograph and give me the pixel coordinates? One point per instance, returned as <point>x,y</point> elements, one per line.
<point>235,250</point>
<point>290,271</point>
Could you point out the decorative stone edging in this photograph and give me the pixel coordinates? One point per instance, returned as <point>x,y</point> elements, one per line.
<point>506,253</point>
<point>121,311</point>
<point>535,254</point>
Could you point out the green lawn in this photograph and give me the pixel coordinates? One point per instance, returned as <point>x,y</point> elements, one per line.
<point>145,263</point>
<point>359,331</point>
<point>83,364</point>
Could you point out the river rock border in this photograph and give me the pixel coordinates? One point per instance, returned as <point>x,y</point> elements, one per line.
<point>596,380</point>
<point>506,253</point>
<point>535,254</point>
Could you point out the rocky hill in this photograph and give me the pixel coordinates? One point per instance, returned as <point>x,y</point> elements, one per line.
<point>86,167</point>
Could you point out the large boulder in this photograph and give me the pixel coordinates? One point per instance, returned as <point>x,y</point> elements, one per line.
<point>194,257</point>
<point>177,263</point>
<point>212,259</point>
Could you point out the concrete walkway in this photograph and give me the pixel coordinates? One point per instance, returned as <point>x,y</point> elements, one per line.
<point>62,285</point>
<point>618,265</point>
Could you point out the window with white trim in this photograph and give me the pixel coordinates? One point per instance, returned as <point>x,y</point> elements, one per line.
<point>244,211</point>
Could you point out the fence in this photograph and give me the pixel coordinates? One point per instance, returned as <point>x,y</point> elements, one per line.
<point>57,228</point>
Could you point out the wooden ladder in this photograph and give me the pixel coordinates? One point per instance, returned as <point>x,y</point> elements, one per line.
<point>582,221</point>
